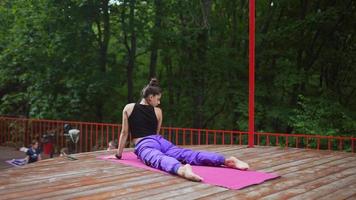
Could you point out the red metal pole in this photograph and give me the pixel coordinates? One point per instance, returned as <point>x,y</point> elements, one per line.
<point>112,133</point>
<point>214,137</point>
<point>223,138</point>
<point>199,137</point>
<point>1,130</point>
<point>170,134</point>
<point>177,137</point>
<point>251,102</point>
<point>240,139</point>
<point>96,135</point>
<point>81,138</point>
<point>91,137</point>
<point>231,137</point>
<point>206,137</point>
<point>107,135</point>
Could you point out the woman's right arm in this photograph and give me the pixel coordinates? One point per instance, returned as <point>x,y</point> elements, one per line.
<point>124,131</point>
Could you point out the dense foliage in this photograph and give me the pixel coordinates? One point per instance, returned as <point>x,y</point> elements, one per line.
<point>85,59</point>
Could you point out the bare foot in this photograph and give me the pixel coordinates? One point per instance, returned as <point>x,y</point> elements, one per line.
<point>187,172</point>
<point>236,163</point>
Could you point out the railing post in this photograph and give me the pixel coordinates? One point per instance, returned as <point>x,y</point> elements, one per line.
<point>81,138</point>
<point>177,138</point>
<point>1,130</point>
<point>223,137</point>
<point>231,137</point>
<point>214,137</point>
<point>199,136</point>
<point>251,110</point>
<point>206,137</point>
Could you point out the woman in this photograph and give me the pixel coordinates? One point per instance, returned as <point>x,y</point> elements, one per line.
<point>144,121</point>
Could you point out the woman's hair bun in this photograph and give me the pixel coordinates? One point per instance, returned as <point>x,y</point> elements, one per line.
<point>154,82</point>
<point>151,89</point>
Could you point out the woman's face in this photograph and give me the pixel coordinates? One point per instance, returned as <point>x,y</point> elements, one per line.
<point>35,146</point>
<point>154,100</point>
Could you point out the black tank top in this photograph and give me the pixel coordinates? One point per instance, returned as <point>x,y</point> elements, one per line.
<point>142,121</point>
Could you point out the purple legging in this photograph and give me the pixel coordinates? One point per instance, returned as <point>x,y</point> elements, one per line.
<point>157,152</point>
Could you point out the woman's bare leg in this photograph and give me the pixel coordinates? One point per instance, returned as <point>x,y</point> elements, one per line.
<point>233,162</point>
<point>186,171</point>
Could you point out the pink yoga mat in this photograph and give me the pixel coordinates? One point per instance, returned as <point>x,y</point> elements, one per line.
<point>220,176</point>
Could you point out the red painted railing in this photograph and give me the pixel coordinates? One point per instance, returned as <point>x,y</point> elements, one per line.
<point>95,136</point>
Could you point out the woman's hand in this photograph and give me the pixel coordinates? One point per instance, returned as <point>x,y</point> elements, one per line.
<point>118,156</point>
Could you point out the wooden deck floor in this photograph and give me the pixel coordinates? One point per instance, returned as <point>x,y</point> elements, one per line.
<point>306,174</point>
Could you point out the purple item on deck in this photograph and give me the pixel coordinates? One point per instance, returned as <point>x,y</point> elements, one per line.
<point>17,162</point>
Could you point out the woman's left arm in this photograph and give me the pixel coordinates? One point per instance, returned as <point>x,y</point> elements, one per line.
<point>158,112</point>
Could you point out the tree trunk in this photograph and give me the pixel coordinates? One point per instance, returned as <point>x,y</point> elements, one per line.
<point>155,38</point>
<point>103,39</point>
<point>300,88</point>
<point>106,35</point>
<point>131,49</point>
<point>199,74</point>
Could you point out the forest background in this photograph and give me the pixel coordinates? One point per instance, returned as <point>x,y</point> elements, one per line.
<point>85,59</point>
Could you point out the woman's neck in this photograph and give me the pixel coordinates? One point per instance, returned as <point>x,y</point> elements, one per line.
<point>144,102</point>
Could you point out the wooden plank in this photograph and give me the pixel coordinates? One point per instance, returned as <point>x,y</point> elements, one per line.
<point>215,148</point>
<point>204,147</point>
<point>60,162</point>
<point>172,193</point>
<point>159,190</point>
<point>50,174</point>
<point>274,154</point>
<point>127,192</point>
<point>53,189</point>
<point>198,194</point>
<point>66,180</point>
<point>220,195</point>
<point>122,188</point>
<point>292,180</point>
<point>285,185</point>
<point>96,185</point>
<point>228,149</point>
<point>353,197</point>
<point>297,163</point>
<point>291,160</point>
<point>266,163</point>
<point>348,192</point>
<point>250,152</point>
<point>320,187</point>
<point>311,164</point>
